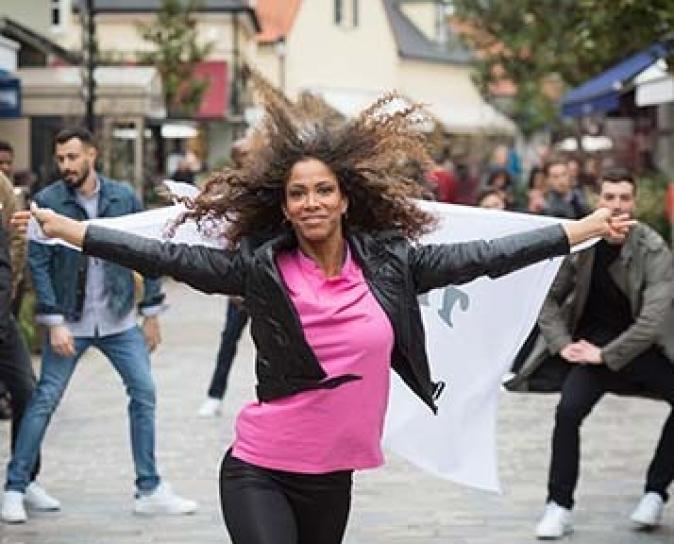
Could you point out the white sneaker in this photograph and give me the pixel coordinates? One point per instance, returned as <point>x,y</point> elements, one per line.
<point>13,510</point>
<point>38,499</point>
<point>648,512</point>
<point>555,523</point>
<point>211,407</point>
<point>163,501</point>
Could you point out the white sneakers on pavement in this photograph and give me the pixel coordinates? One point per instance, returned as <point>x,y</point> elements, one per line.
<point>163,501</point>
<point>211,407</point>
<point>14,503</point>
<point>13,510</point>
<point>38,499</point>
<point>648,513</point>
<point>555,523</point>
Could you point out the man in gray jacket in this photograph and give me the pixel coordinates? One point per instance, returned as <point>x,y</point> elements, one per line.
<point>601,330</point>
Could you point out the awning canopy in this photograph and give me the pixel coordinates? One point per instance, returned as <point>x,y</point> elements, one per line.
<point>602,93</point>
<point>215,100</point>
<point>120,91</point>
<point>654,85</point>
<point>466,118</point>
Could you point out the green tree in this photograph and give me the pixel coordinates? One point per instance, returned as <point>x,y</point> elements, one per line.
<point>176,52</point>
<point>536,42</point>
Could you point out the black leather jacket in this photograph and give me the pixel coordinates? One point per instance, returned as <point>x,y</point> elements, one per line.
<point>395,270</point>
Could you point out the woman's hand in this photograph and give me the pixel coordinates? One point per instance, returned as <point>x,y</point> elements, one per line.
<point>53,225</point>
<point>600,223</point>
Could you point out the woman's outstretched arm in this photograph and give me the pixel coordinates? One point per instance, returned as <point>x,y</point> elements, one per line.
<point>207,269</point>
<point>437,265</point>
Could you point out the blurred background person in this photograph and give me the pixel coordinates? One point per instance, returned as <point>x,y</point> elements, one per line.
<point>536,190</point>
<point>235,323</point>
<point>183,172</point>
<point>491,199</point>
<point>500,180</point>
<point>443,181</point>
<point>560,200</point>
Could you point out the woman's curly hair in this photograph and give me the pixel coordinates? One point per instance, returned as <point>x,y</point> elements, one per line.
<point>368,156</point>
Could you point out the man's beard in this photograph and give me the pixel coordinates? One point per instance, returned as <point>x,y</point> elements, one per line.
<point>79,181</point>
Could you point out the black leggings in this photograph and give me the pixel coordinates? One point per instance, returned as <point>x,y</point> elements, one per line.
<point>264,506</point>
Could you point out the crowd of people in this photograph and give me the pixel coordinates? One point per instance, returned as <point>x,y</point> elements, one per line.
<point>556,184</point>
<point>324,260</point>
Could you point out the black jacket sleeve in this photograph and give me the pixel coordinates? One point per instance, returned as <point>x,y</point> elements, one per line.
<point>437,265</point>
<point>210,270</point>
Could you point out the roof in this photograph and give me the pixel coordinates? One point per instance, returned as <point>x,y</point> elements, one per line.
<point>602,92</point>
<point>17,32</point>
<point>413,44</point>
<point>142,6</point>
<point>276,18</point>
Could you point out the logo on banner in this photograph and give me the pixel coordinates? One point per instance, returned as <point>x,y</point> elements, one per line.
<point>451,297</point>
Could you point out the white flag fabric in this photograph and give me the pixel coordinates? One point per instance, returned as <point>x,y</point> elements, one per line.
<point>473,332</point>
<point>151,224</point>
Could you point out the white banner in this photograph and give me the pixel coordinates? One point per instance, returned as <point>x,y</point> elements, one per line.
<point>473,331</point>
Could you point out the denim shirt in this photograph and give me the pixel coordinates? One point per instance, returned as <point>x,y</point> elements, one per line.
<point>60,273</point>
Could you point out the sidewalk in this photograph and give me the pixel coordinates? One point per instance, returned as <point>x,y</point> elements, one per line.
<point>87,464</point>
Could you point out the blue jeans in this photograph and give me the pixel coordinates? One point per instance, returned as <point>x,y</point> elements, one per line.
<point>128,354</point>
<point>236,320</point>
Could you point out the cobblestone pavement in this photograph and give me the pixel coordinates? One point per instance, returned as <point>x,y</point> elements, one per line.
<point>87,460</point>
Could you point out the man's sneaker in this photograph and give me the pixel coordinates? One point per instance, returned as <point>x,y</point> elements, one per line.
<point>12,508</point>
<point>211,407</point>
<point>38,499</point>
<point>648,512</point>
<point>555,523</point>
<point>163,501</point>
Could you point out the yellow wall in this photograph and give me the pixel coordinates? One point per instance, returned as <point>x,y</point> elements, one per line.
<point>428,81</point>
<point>118,33</point>
<point>323,54</point>
<point>423,17</point>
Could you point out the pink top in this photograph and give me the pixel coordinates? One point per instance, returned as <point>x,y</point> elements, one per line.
<point>325,430</point>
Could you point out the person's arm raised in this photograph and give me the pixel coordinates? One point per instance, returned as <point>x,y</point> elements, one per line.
<point>207,269</point>
<point>55,225</point>
<point>599,223</point>
<point>437,265</point>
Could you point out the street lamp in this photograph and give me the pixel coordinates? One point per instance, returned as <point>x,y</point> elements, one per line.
<point>89,63</point>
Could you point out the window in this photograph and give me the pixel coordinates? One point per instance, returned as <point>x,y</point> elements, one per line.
<point>346,13</point>
<point>56,13</point>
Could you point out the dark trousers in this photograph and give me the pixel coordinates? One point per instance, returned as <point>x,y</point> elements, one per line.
<point>16,372</point>
<point>235,322</point>
<point>584,386</point>
<point>263,506</point>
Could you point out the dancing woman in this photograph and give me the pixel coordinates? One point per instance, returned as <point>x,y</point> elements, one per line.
<point>322,233</point>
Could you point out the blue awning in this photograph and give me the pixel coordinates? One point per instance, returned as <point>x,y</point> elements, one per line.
<point>602,93</point>
<point>10,95</point>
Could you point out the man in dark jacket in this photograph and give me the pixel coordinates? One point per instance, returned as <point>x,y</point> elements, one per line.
<point>602,331</point>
